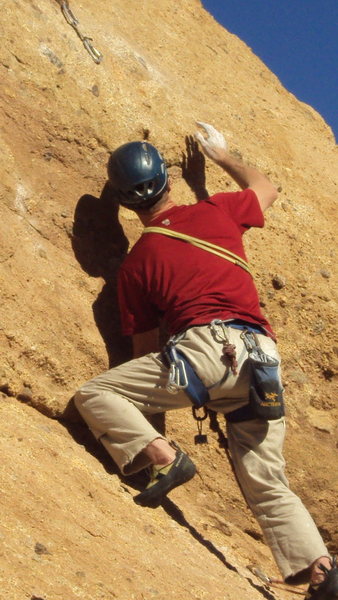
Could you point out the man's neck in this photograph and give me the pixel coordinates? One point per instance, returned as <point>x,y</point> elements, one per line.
<point>147,216</point>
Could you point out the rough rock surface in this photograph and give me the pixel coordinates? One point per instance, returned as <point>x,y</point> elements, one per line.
<point>69,528</point>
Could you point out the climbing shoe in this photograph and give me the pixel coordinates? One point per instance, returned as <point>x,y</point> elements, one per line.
<point>328,588</point>
<point>164,479</point>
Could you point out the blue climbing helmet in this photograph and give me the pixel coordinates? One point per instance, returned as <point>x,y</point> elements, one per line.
<point>138,175</point>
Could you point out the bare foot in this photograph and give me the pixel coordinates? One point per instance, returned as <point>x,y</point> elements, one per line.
<point>317,575</point>
<point>160,452</point>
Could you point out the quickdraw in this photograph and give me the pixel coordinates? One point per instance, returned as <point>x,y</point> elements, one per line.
<point>73,21</point>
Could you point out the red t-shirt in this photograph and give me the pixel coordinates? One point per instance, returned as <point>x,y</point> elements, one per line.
<point>170,279</point>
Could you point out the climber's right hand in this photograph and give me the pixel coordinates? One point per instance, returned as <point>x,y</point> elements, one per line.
<point>214,145</point>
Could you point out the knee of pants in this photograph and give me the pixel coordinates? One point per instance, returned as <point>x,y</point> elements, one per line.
<point>94,407</point>
<point>81,396</point>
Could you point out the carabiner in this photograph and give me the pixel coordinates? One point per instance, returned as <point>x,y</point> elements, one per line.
<point>177,378</point>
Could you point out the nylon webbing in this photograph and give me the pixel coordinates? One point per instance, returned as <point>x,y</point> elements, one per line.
<point>204,245</point>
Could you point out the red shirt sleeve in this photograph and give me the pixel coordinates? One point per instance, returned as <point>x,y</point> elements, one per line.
<point>136,310</point>
<point>243,207</point>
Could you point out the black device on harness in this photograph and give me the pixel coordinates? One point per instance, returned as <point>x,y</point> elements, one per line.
<point>265,393</point>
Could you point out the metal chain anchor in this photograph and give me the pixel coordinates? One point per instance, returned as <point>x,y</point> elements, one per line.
<point>73,21</point>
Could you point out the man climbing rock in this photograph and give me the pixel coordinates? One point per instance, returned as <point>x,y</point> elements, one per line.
<point>189,270</point>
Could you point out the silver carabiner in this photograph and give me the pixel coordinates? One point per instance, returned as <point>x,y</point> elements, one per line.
<point>94,53</point>
<point>173,379</point>
<point>177,378</point>
<point>219,331</point>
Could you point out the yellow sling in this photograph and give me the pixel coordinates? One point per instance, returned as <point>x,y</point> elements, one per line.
<point>218,250</point>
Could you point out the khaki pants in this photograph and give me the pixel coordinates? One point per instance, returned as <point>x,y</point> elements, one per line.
<point>114,404</point>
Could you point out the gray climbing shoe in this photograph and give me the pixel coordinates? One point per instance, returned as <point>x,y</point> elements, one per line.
<point>163,480</point>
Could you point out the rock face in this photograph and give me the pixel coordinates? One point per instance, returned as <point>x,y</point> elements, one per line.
<point>71,529</point>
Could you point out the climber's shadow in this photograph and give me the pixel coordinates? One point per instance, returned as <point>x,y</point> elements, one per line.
<point>193,168</point>
<point>99,245</point>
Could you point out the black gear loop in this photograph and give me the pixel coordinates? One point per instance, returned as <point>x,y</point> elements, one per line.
<point>198,417</point>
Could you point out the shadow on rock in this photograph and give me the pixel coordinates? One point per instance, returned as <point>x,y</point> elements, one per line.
<point>193,168</point>
<point>177,515</point>
<point>100,245</point>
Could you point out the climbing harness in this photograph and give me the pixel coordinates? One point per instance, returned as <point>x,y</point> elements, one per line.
<point>265,391</point>
<point>73,21</point>
<point>204,245</point>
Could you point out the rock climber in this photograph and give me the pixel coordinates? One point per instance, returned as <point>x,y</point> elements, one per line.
<point>189,270</point>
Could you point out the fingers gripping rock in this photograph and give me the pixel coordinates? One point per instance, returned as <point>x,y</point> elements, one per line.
<point>212,142</point>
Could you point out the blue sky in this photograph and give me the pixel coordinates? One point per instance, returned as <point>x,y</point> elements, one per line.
<point>296,39</point>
